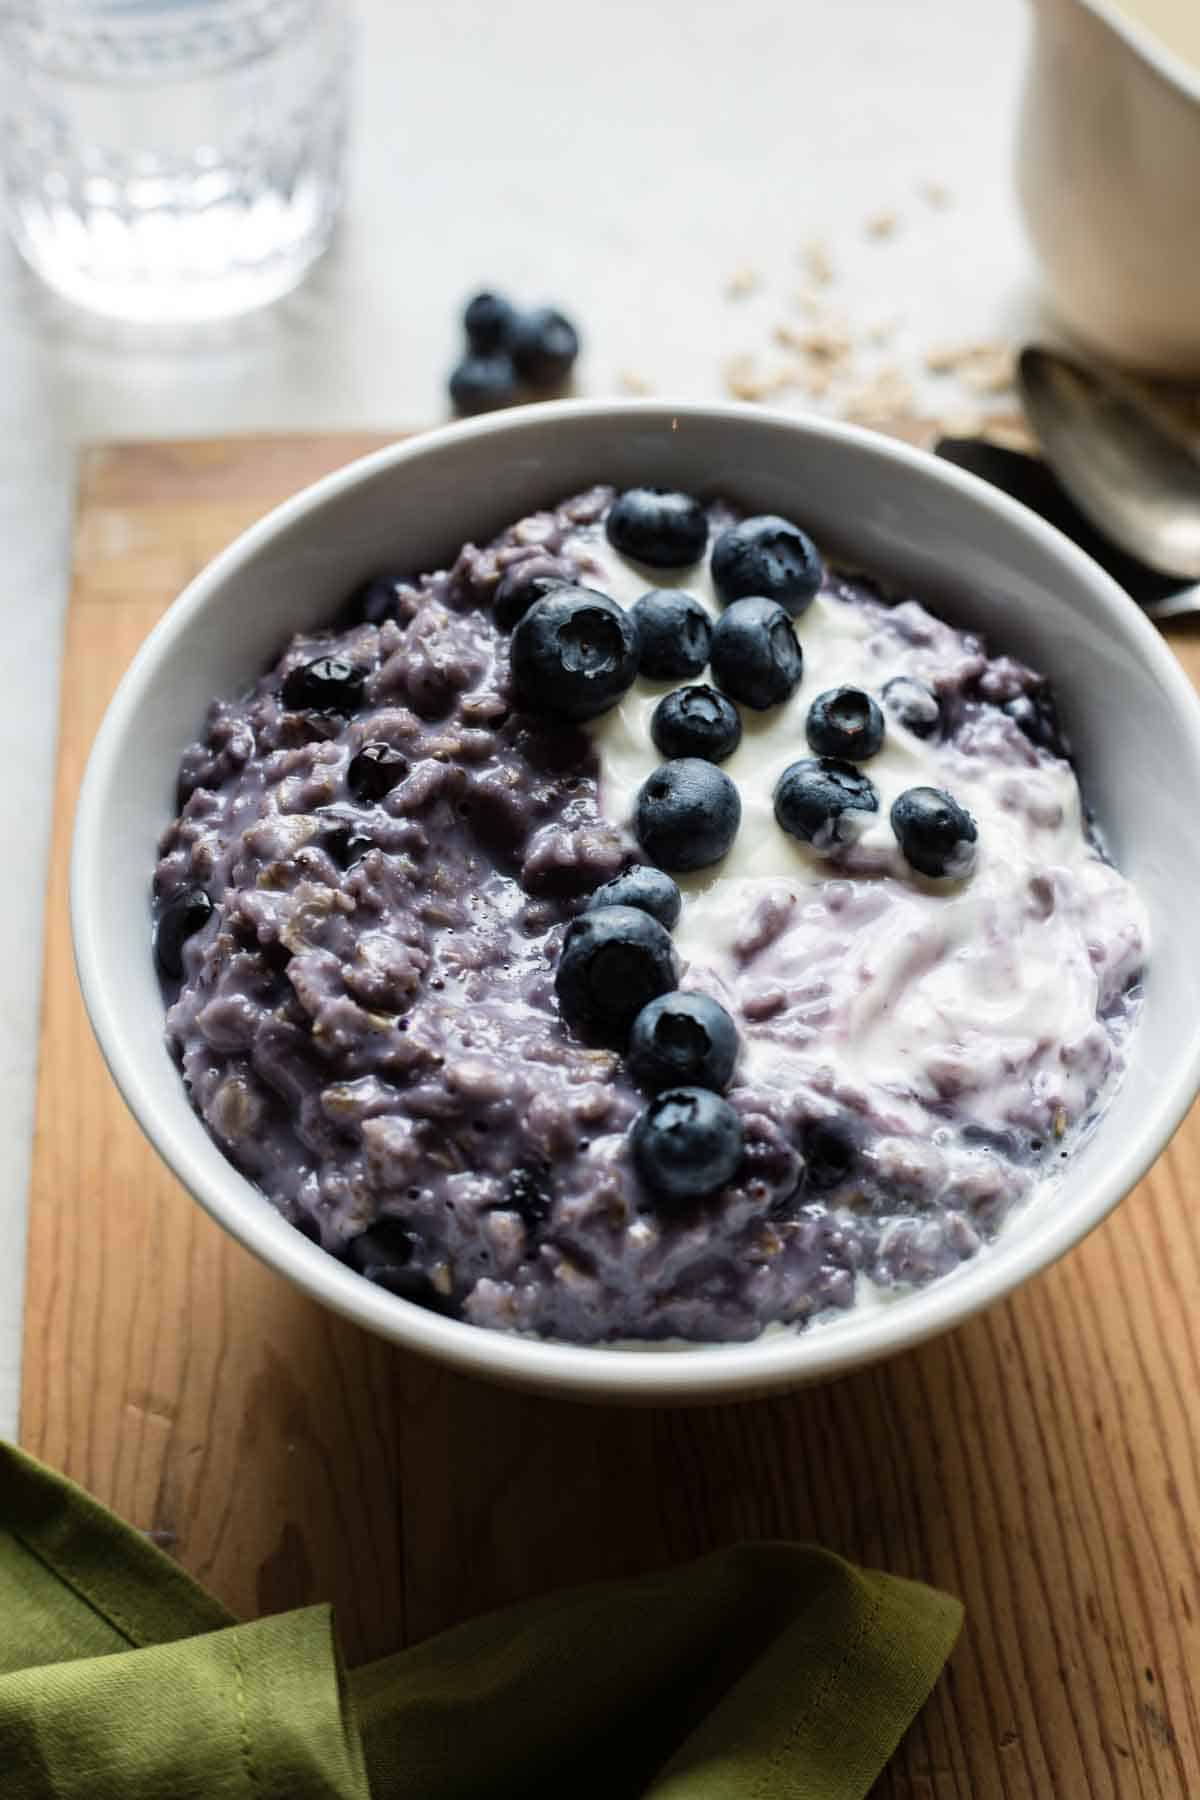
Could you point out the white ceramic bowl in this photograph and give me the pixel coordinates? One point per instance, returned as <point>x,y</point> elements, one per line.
<point>975,554</point>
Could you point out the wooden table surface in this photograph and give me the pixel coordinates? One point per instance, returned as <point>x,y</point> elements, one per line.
<point>1043,1461</point>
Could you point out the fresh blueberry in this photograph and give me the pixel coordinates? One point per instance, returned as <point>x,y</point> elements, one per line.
<point>520,586</point>
<point>382,1248</point>
<point>676,633</point>
<point>687,1144</point>
<point>375,771</point>
<point>329,684</point>
<point>824,802</point>
<point>770,558</point>
<point>683,1040</point>
<point>575,652</point>
<point>696,721</point>
<point>384,1253</point>
<point>913,705</point>
<point>480,384</point>
<point>844,722</point>
<point>658,526</point>
<point>179,919</point>
<point>687,814</point>
<point>936,834</point>
<point>342,838</point>
<point>527,1192</point>
<point>488,321</point>
<point>614,961</point>
<point>648,888</point>
<point>1037,715</point>
<point>544,346</point>
<point>755,656</point>
<point>374,602</point>
<point>830,1153</point>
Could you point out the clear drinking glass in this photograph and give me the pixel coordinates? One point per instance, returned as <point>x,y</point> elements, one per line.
<point>173,160</point>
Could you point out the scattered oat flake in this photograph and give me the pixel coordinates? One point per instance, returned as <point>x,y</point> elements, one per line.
<point>882,331</point>
<point>809,302</point>
<point>890,391</point>
<point>988,367</point>
<point>816,259</point>
<point>742,282</point>
<point>992,374</point>
<point>882,224</point>
<point>745,380</point>
<point>816,381</point>
<point>821,344</point>
<point>631,382</point>
<point>936,194</point>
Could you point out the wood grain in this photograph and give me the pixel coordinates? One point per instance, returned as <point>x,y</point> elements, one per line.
<point>1043,1461</point>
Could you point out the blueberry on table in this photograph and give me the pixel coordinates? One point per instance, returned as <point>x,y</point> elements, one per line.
<point>575,652</point>
<point>648,888</point>
<point>488,320</point>
<point>935,833</point>
<point>824,802</point>
<point>658,526</point>
<point>521,585</point>
<point>480,384</point>
<point>544,345</point>
<point>769,557</point>
<point>687,814</point>
<point>687,1144</point>
<point>328,684</point>
<point>676,633</point>
<point>614,961</point>
<point>683,1040</point>
<point>696,721</point>
<point>844,722</point>
<point>375,770</point>
<point>913,705</point>
<point>179,920</point>
<point>755,656</point>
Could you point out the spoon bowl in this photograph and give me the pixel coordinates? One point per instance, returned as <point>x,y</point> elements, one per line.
<point>1137,482</point>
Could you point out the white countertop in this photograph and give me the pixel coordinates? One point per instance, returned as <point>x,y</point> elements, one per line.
<point>626,176</point>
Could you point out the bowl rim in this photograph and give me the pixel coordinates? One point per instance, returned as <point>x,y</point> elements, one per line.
<point>707,1372</point>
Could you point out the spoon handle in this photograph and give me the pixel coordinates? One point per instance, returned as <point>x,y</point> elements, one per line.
<point>1179,605</point>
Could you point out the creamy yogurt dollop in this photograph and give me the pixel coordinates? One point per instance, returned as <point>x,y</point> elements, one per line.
<point>1001,993</point>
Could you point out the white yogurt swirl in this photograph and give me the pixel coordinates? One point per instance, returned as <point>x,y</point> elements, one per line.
<point>994,1000</point>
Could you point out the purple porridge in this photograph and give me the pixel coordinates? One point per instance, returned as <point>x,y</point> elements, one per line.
<point>382,847</point>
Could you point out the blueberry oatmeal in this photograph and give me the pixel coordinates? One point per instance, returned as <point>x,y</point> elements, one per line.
<point>640,930</point>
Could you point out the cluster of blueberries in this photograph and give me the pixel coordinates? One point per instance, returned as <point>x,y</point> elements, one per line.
<point>326,684</point>
<point>616,985</point>
<point>575,652</point>
<point>510,355</point>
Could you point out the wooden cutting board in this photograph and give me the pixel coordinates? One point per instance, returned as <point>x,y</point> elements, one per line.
<point>1043,1461</point>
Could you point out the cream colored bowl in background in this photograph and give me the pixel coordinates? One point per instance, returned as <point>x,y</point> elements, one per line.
<point>1108,174</point>
<point>976,555</point>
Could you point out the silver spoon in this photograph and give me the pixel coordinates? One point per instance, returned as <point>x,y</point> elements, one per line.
<point>1129,475</point>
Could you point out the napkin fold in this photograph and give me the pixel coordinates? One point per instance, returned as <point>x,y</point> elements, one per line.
<point>766,1670</point>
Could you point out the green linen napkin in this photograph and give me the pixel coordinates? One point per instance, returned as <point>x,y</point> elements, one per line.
<point>764,1672</point>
